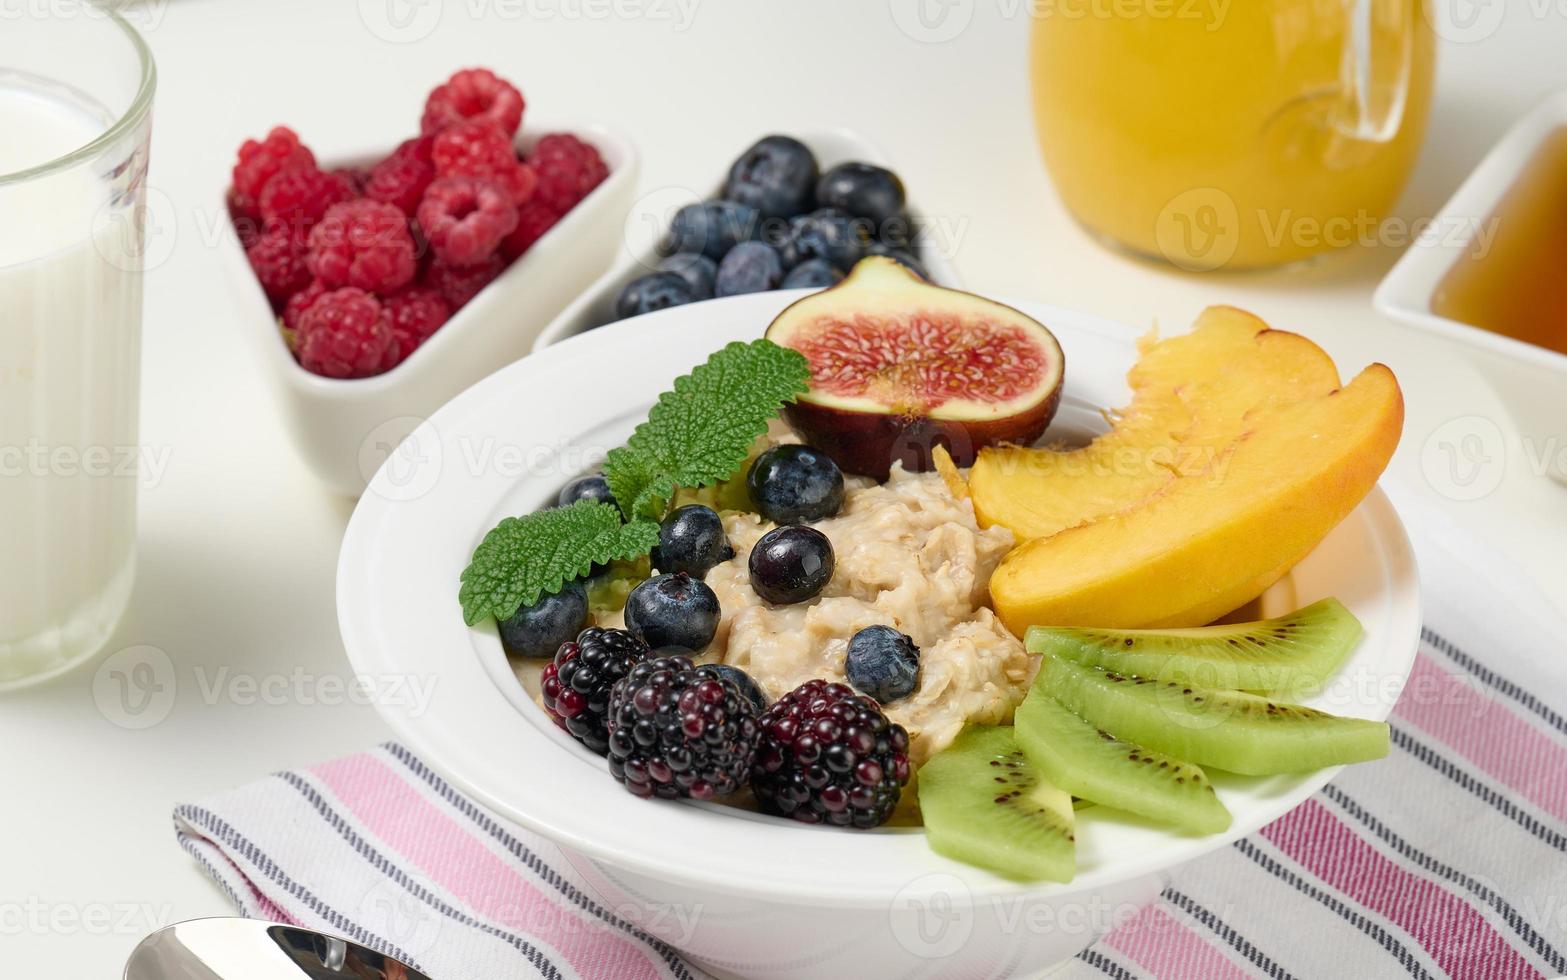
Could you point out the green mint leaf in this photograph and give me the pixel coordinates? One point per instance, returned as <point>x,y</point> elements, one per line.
<point>698,434</point>
<point>524,558</point>
<point>701,431</point>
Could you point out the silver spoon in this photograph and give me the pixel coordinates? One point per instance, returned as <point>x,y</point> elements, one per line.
<point>249,949</point>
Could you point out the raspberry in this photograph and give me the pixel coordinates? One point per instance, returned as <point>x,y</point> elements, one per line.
<point>247,227</point>
<point>477,149</point>
<point>344,334</point>
<point>364,244</point>
<point>568,169</point>
<point>575,686</point>
<point>356,177</point>
<point>473,93</point>
<point>279,260</point>
<point>415,314</point>
<point>299,198</point>
<point>677,730</point>
<point>458,285</point>
<point>465,219</point>
<point>401,178</point>
<point>300,302</point>
<point>533,220</point>
<point>260,161</point>
<point>828,755</point>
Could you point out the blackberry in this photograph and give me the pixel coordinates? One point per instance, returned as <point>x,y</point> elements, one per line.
<point>828,755</point>
<point>678,730</point>
<point>576,684</point>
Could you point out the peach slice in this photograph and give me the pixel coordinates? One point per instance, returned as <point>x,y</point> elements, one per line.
<point>1210,541</point>
<point>1191,395</point>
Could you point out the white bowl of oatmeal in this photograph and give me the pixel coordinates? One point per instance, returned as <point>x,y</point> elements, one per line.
<point>739,892</point>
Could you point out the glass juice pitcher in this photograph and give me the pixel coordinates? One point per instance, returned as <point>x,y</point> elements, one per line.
<point>1231,134</point>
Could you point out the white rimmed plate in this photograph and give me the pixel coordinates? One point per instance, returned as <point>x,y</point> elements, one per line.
<point>773,898</point>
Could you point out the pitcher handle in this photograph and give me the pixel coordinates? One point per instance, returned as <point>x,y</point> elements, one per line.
<point>1375,67</point>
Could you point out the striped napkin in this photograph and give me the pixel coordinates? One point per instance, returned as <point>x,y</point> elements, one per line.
<point>1448,859</point>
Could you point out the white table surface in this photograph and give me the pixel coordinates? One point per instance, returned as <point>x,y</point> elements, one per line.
<point>238,544</point>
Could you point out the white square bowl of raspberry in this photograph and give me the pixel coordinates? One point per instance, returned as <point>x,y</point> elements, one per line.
<point>376,286</point>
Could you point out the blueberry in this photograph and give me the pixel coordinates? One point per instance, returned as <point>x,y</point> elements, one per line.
<point>673,611</point>
<point>593,487</point>
<point>750,267</point>
<point>749,689</point>
<point>711,228</point>
<point>863,190</point>
<point>898,231</point>
<point>654,291</point>
<point>792,484</point>
<point>883,663</point>
<point>837,237</point>
<point>539,630</point>
<point>812,274</point>
<point>900,256</point>
<point>776,176</point>
<point>695,268</point>
<point>691,540</point>
<point>791,564</point>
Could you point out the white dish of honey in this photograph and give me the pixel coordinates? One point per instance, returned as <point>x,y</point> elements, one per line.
<point>1495,279</point>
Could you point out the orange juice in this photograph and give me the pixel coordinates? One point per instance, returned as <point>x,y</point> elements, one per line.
<point>1231,133</point>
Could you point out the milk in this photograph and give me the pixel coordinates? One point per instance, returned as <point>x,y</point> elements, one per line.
<point>70,310</point>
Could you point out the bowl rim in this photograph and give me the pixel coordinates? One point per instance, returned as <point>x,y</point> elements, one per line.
<point>620,155</point>
<point>384,635</point>
<point>937,262</point>
<point>1405,293</point>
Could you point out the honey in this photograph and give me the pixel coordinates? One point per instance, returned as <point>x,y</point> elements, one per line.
<point>1512,279</point>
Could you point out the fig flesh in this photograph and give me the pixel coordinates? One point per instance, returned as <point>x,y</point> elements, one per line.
<point>899,367</point>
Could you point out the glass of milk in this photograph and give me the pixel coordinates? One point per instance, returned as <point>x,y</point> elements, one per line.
<point>76,86</point>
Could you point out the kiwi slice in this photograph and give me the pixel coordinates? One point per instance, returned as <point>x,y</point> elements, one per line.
<point>986,805</point>
<point>1292,653</point>
<point>1228,730</point>
<point>1089,762</point>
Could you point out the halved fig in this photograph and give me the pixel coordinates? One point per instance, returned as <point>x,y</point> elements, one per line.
<point>899,367</point>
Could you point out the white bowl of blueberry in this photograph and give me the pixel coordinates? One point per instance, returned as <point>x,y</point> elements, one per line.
<point>787,213</point>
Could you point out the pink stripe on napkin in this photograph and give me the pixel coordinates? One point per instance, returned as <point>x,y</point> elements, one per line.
<point>1488,733</point>
<point>1159,943</point>
<point>1456,935</point>
<point>451,856</point>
